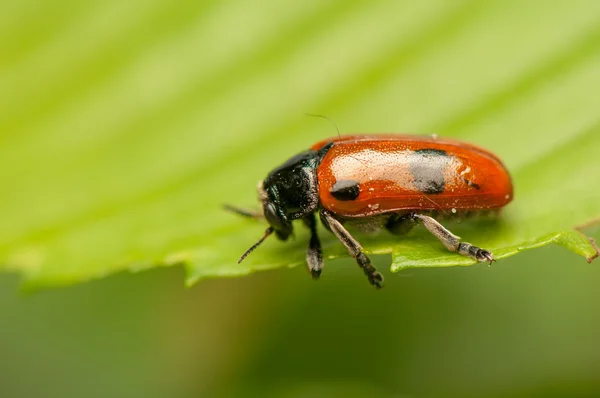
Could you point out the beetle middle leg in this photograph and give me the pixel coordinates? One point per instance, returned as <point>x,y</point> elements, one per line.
<point>400,224</point>
<point>314,254</point>
<point>353,247</point>
<point>451,241</point>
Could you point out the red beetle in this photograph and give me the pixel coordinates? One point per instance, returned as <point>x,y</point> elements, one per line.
<point>381,180</point>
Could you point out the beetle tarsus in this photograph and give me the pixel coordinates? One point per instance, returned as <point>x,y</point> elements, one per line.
<point>486,255</point>
<point>476,253</point>
<point>315,273</point>
<point>375,278</point>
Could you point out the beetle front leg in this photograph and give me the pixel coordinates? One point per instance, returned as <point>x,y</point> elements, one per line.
<point>452,242</point>
<point>314,254</point>
<point>353,247</point>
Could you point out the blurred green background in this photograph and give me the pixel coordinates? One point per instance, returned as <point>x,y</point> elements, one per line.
<point>123,125</point>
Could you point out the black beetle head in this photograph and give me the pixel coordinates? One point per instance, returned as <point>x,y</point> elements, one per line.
<point>290,192</point>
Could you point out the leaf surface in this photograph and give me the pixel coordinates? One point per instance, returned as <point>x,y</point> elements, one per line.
<point>126,126</point>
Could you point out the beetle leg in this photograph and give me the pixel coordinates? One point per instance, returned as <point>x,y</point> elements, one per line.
<point>353,247</point>
<point>400,224</point>
<point>243,212</point>
<point>324,221</point>
<point>314,254</point>
<point>452,242</point>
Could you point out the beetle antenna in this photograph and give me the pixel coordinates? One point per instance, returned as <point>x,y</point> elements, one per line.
<point>325,117</point>
<point>243,212</point>
<point>440,208</point>
<point>268,232</point>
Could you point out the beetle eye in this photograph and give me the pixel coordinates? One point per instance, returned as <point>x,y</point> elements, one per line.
<point>298,181</point>
<point>271,216</point>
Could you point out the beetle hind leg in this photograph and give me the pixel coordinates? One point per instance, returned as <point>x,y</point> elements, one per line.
<point>353,247</point>
<point>452,242</point>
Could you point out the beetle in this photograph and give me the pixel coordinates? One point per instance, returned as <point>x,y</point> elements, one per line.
<point>384,180</point>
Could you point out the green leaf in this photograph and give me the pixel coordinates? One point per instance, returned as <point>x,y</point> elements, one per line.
<point>126,126</point>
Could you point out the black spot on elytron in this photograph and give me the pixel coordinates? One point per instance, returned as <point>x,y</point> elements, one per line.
<point>427,167</point>
<point>433,152</point>
<point>345,190</point>
<point>471,184</point>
